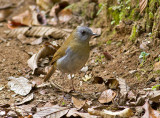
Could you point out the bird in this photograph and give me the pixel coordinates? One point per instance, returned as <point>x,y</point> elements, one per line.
<point>73,54</point>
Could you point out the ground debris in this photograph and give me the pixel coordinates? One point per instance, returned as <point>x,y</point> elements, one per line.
<point>39,31</point>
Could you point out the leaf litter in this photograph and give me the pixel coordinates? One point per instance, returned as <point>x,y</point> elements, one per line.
<point>20,85</point>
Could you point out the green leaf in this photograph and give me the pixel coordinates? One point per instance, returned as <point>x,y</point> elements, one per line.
<point>155,87</point>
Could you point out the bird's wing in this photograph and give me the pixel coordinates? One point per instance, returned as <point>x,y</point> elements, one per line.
<point>62,50</point>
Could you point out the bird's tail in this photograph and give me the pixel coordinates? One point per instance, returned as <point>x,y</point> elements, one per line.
<point>49,74</point>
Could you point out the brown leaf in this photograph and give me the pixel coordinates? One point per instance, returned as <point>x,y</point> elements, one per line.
<point>64,15</point>
<point>51,112</point>
<point>4,13</point>
<point>157,66</point>
<point>149,112</point>
<point>37,41</point>
<point>46,4</point>
<point>127,112</point>
<point>26,99</point>
<point>142,5</point>
<point>112,83</point>
<point>107,55</point>
<point>107,96</point>
<point>24,18</point>
<point>39,31</point>
<point>74,113</point>
<point>124,88</point>
<point>20,85</point>
<point>154,96</point>
<point>45,51</point>
<point>78,103</point>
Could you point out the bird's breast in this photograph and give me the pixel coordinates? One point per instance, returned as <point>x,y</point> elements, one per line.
<point>72,61</point>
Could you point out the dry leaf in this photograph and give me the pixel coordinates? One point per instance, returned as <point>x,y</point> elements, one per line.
<point>154,96</point>
<point>46,4</point>
<point>37,41</point>
<point>24,18</point>
<point>64,15</point>
<point>98,31</point>
<point>112,83</point>
<point>74,113</point>
<point>45,51</point>
<point>124,88</point>
<point>26,40</point>
<point>4,13</point>
<point>149,112</point>
<point>109,114</point>
<point>29,17</point>
<point>157,66</point>
<point>51,112</point>
<point>107,55</point>
<point>78,103</point>
<point>25,109</point>
<point>20,85</point>
<point>107,96</point>
<point>26,99</point>
<point>39,31</point>
<point>142,5</point>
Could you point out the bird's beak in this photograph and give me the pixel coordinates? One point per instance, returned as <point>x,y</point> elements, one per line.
<point>95,35</point>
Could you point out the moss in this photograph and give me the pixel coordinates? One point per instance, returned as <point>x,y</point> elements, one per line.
<point>115,12</point>
<point>124,11</point>
<point>134,32</point>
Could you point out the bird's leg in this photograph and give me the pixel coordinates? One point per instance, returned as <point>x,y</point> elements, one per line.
<point>71,76</point>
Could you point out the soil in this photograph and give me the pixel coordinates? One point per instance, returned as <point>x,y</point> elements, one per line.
<point>14,56</point>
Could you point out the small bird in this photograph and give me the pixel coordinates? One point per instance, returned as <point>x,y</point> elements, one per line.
<point>74,52</point>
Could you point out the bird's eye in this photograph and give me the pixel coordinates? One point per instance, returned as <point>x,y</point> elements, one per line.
<point>83,32</point>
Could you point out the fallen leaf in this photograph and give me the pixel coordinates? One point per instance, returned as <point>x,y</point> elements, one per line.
<point>149,112</point>
<point>13,25</point>
<point>142,5</point>
<point>25,109</point>
<point>78,103</point>
<point>45,51</point>
<point>154,96</point>
<point>124,88</point>
<point>64,15</point>
<point>98,31</point>
<point>29,17</point>
<point>144,45</point>
<point>46,4</point>
<point>37,41</point>
<point>107,55</point>
<point>112,83</point>
<point>25,40</point>
<point>74,113</point>
<point>60,14</point>
<point>51,112</point>
<point>39,31</point>
<point>107,96</point>
<point>127,112</point>
<point>157,66</point>
<point>4,13</point>
<point>20,85</point>
<point>26,99</point>
<point>23,18</point>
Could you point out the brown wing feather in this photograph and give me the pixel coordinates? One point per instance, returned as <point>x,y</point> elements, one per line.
<point>59,53</point>
<point>62,50</point>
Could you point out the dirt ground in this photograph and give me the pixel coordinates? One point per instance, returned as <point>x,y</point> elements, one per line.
<point>14,56</point>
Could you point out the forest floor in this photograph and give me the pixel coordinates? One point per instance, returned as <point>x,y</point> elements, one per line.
<point>125,64</point>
